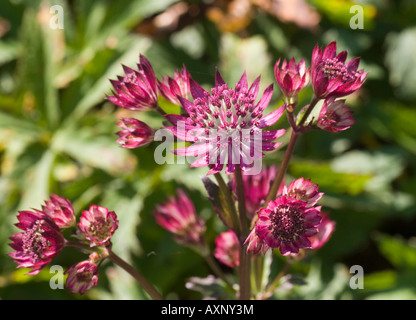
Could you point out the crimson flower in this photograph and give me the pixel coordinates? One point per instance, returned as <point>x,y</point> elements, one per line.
<point>335,116</point>
<point>227,249</point>
<point>98,225</point>
<point>304,190</point>
<point>178,216</point>
<point>325,231</point>
<point>287,223</point>
<point>40,241</point>
<point>137,90</point>
<point>179,85</point>
<point>135,133</point>
<point>291,77</point>
<point>82,277</point>
<point>60,210</point>
<point>255,244</point>
<point>226,123</point>
<point>331,76</point>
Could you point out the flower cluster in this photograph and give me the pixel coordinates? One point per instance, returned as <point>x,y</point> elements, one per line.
<point>42,239</point>
<point>331,78</point>
<point>227,129</point>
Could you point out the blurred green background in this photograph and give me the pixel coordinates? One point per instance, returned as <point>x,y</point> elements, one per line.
<point>57,134</point>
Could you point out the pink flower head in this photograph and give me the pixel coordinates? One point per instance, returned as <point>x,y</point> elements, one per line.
<point>331,76</point>
<point>98,225</point>
<point>60,210</point>
<point>304,190</point>
<point>227,249</point>
<point>137,90</point>
<point>256,188</point>
<point>178,216</point>
<point>325,231</point>
<point>291,77</point>
<point>135,133</point>
<point>226,123</point>
<point>82,277</point>
<point>335,116</point>
<point>179,85</point>
<point>255,244</point>
<point>40,241</point>
<point>287,224</point>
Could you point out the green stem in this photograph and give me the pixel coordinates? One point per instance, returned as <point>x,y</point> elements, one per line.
<point>308,112</point>
<point>245,260</point>
<point>258,264</point>
<point>229,202</point>
<point>244,270</point>
<point>282,168</point>
<point>288,153</point>
<point>147,286</point>
<point>242,213</point>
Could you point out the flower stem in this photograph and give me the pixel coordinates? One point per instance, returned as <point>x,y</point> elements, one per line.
<point>245,260</point>
<point>242,213</point>
<point>244,270</point>
<point>282,168</point>
<point>229,202</point>
<point>308,112</point>
<point>147,286</point>
<point>289,151</point>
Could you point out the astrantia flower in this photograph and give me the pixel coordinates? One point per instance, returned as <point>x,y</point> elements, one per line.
<point>178,216</point>
<point>98,225</point>
<point>137,90</point>
<point>60,210</point>
<point>179,85</point>
<point>82,277</point>
<point>287,224</point>
<point>226,123</point>
<point>254,244</point>
<point>40,241</point>
<point>335,116</point>
<point>291,77</point>
<point>304,190</point>
<point>325,230</point>
<point>331,76</point>
<point>256,188</point>
<point>227,249</point>
<point>135,133</point>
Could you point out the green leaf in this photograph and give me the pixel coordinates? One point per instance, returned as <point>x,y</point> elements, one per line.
<point>380,280</point>
<point>96,92</point>
<point>8,51</point>
<point>325,177</point>
<point>99,151</point>
<point>401,61</point>
<point>376,164</point>
<point>38,182</point>
<point>400,253</point>
<point>37,65</point>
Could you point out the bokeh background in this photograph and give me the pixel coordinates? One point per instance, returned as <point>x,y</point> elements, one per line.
<point>57,134</point>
